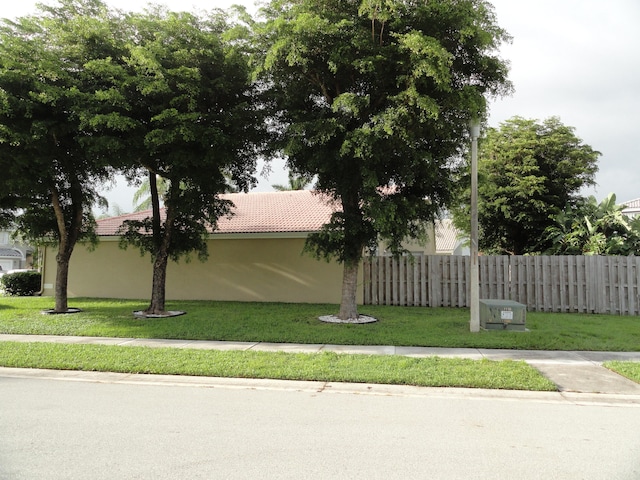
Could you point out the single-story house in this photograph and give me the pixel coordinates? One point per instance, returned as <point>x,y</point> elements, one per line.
<point>255,255</point>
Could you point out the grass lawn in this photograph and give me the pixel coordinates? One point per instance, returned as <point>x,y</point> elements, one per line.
<point>298,323</point>
<point>631,370</point>
<point>328,367</point>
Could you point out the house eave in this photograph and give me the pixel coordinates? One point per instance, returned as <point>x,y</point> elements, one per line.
<point>231,236</point>
<point>257,235</point>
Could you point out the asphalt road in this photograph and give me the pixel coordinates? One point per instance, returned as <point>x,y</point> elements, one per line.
<point>69,429</point>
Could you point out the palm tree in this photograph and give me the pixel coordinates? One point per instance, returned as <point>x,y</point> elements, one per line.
<point>142,196</point>
<point>296,182</point>
<point>115,211</point>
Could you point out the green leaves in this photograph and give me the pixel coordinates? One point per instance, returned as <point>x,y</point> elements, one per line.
<point>350,104</point>
<point>592,228</point>
<point>529,172</point>
<point>429,58</point>
<point>47,142</point>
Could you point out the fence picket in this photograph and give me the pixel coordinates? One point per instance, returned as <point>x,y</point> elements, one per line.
<point>594,284</point>
<point>631,294</point>
<point>636,282</point>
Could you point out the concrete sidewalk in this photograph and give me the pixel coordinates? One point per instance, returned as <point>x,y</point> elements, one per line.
<point>571,371</point>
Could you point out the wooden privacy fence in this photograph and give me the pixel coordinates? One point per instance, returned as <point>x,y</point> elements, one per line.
<point>581,284</point>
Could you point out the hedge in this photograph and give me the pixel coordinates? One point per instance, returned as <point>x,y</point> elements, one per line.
<point>21,283</point>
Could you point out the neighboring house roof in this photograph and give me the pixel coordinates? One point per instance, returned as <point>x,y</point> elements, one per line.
<point>256,212</point>
<point>446,236</point>
<point>632,203</point>
<point>631,207</point>
<point>10,253</point>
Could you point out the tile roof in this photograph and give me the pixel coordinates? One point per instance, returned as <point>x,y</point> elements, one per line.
<point>259,212</point>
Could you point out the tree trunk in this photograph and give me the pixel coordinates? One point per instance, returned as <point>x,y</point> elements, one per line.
<point>62,277</point>
<point>155,208</point>
<point>348,305</point>
<point>68,237</point>
<point>157,304</point>
<point>161,240</point>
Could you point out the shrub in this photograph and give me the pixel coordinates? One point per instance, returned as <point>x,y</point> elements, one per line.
<point>21,283</point>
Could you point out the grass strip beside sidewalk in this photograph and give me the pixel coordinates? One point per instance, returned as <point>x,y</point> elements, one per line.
<point>326,366</point>
<point>631,370</point>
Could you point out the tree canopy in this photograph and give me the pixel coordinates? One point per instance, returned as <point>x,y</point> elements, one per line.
<point>374,98</point>
<point>528,172</point>
<point>86,91</point>
<point>183,94</point>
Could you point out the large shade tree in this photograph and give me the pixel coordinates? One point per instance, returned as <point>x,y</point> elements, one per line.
<point>529,172</point>
<point>51,160</point>
<point>374,99</point>
<point>182,93</point>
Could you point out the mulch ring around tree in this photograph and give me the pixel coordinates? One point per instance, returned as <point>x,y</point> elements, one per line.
<point>167,314</point>
<point>358,319</point>
<point>69,310</point>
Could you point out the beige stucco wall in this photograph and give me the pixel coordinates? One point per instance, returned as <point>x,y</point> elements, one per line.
<point>427,247</point>
<point>267,269</point>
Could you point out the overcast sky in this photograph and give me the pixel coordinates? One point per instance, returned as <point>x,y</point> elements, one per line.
<point>575,59</point>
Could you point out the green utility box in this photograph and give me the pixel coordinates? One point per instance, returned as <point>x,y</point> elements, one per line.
<point>502,315</point>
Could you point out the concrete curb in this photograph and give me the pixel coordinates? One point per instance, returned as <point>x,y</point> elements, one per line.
<point>317,388</point>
